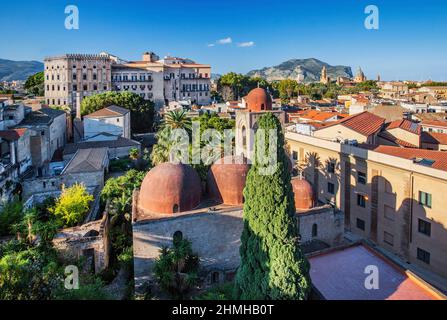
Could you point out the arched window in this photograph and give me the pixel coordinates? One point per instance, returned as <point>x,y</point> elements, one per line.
<point>314,230</point>
<point>175,208</point>
<point>177,237</point>
<point>262,107</point>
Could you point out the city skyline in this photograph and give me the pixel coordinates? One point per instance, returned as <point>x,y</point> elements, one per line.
<point>241,37</point>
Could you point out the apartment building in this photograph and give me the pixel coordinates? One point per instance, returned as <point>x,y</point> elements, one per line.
<point>393,196</point>
<point>71,73</point>
<point>161,81</point>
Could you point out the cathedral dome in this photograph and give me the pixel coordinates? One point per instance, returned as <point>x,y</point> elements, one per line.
<point>226,180</point>
<point>258,100</point>
<point>304,196</point>
<point>170,188</point>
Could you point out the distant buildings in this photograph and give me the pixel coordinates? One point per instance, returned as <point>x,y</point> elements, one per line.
<point>162,81</point>
<point>113,120</point>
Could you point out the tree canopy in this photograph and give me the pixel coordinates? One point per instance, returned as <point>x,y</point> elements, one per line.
<point>142,111</point>
<point>35,84</point>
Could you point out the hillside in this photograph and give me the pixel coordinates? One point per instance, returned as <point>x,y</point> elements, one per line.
<point>308,70</point>
<point>18,70</point>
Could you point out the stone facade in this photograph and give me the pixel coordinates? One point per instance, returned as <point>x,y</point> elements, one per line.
<point>66,75</point>
<point>380,196</point>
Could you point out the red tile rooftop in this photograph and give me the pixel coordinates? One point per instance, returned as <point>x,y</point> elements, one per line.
<point>405,124</point>
<point>439,158</point>
<point>340,275</point>
<point>364,123</point>
<point>435,123</point>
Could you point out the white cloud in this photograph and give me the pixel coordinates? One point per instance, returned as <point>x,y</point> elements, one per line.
<point>224,41</point>
<point>211,45</point>
<point>246,44</point>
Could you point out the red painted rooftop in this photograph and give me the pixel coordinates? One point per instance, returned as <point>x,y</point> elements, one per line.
<point>364,123</point>
<point>340,275</point>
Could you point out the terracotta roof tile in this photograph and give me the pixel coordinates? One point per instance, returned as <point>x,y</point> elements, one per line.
<point>364,123</point>
<point>439,157</point>
<point>110,111</point>
<point>434,137</point>
<point>405,124</point>
<point>13,134</point>
<point>435,123</point>
<point>402,143</point>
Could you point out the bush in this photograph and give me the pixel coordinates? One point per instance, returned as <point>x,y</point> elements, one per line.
<point>220,292</point>
<point>10,214</point>
<point>72,206</point>
<point>176,269</point>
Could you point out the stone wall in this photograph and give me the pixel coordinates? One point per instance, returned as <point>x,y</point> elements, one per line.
<point>329,224</point>
<point>92,237</point>
<point>215,237</point>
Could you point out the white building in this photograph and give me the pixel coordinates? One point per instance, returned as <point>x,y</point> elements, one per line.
<point>112,120</point>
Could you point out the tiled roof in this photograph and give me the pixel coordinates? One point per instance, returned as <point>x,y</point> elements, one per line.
<point>402,143</point>
<point>118,143</point>
<point>43,116</point>
<point>110,111</point>
<point>87,160</point>
<point>364,123</point>
<point>13,134</point>
<point>435,123</point>
<point>406,125</point>
<point>316,115</point>
<point>439,157</point>
<point>434,137</point>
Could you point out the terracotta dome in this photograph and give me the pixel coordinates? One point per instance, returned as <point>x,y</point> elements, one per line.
<point>258,100</point>
<point>170,188</point>
<point>226,180</point>
<point>304,196</point>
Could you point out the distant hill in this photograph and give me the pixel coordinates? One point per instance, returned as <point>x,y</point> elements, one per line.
<point>308,70</point>
<point>18,70</point>
<point>215,76</point>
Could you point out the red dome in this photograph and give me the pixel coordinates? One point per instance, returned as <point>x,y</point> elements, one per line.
<point>258,100</point>
<point>226,180</point>
<point>304,196</point>
<point>170,188</point>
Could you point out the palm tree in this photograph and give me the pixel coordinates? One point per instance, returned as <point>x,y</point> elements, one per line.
<point>177,119</point>
<point>160,151</point>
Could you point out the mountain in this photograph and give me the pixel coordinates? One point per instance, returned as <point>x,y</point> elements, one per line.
<point>215,76</point>
<point>18,70</point>
<point>307,70</point>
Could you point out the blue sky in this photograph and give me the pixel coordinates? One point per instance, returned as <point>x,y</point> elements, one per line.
<point>410,44</point>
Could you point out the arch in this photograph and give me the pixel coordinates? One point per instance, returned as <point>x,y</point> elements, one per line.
<point>314,230</point>
<point>177,237</point>
<point>175,208</point>
<point>244,137</point>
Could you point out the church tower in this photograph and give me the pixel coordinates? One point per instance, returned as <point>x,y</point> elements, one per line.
<point>360,76</point>
<point>324,79</point>
<point>255,104</point>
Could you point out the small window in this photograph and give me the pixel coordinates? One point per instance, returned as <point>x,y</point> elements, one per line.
<point>175,208</point>
<point>314,230</point>
<point>423,255</point>
<point>361,224</point>
<point>331,167</point>
<point>425,199</point>
<point>330,188</point>
<point>215,277</point>
<point>388,238</point>
<point>295,155</point>
<point>361,200</point>
<point>361,177</point>
<point>424,227</point>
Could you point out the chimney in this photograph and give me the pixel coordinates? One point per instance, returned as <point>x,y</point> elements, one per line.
<point>78,105</point>
<point>147,57</point>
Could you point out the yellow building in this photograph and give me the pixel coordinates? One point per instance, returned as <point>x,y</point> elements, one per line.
<point>393,196</point>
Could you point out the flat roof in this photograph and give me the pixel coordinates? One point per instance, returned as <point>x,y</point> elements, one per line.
<point>340,275</point>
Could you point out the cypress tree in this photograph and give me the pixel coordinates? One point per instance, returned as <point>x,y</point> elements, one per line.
<point>272,265</point>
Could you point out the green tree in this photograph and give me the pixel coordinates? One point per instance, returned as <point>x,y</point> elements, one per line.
<point>287,88</point>
<point>176,268</point>
<point>272,263</point>
<point>35,84</point>
<point>161,150</point>
<point>72,205</point>
<point>142,111</point>
<point>177,119</point>
<point>10,214</point>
